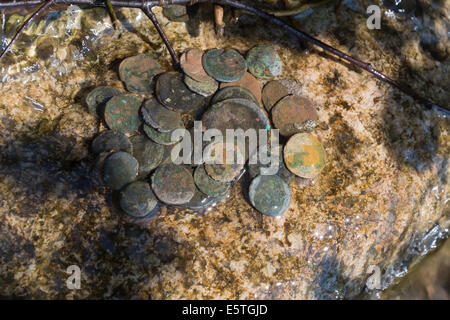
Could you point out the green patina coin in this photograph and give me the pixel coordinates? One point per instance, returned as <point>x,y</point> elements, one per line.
<point>173,184</point>
<point>164,138</point>
<point>294,114</point>
<point>264,62</point>
<point>248,82</point>
<point>149,154</point>
<point>122,113</point>
<point>270,195</point>
<point>208,185</point>
<point>206,88</point>
<point>138,72</point>
<point>224,65</point>
<point>120,168</point>
<point>223,161</point>
<point>111,141</point>
<point>233,92</point>
<point>273,92</point>
<point>159,117</point>
<point>173,93</point>
<point>275,165</point>
<point>96,99</point>
<point>137,199</point>
<point>191,63</point>
<point>304,155</point>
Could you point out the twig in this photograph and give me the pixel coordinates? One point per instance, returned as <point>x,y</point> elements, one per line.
<point>114,19</point>
<point>41,8</point>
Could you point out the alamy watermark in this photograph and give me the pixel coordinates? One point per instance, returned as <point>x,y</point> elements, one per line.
<point>374,19</point>
<point>73,282</point>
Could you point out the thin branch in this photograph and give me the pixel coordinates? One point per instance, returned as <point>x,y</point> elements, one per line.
<point>148,12</point>
<point>112,13</point>
<point>41,9</point>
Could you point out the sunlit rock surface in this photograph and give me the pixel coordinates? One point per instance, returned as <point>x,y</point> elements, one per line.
<point>381,201</point>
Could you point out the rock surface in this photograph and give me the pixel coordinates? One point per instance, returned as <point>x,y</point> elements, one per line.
<point>381,200</point>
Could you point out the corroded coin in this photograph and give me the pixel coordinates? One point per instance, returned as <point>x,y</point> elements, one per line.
<point>248,82</point>
<point>97,168</point>
<point>205,88</point>
<point>264,62</point>
<point>273,92</point>
<point>98,97</point>
<point>191,63</point>
<point>272,165</point>
<point>233,92</point>
<point>223,161</point>
<point>294,114</point>
<point>173,184</point>
<point>304,155</point>
<point>122,113</point>
<point>149,154</point>
<point>111,141</point>
<point>208,185</point>
<point>119,169</point>
<point>138,72</point>
<point>173,93</point>
<point>164,138</point>
<point>159,117</point>
<point>224,65</point>
<point>270,195</point>
<point>201,201</point>
<point>137,199</point>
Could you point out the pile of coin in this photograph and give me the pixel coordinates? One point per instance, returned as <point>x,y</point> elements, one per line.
<point>222,89</point>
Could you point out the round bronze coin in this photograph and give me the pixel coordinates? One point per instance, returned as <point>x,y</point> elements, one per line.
<point>173,184</point>
<point>304,155</point>
<point>159,117</point>
<point>294,114</point>
<point>122,113</point>
<point>223,161</point>
<point>273,92</point>
<point>272,164</point>
<point>149,154</point>
<point>120,168</point>
<point>191,63</point>
<point>248,82</point>
<point>98,97</point>
<point>206,88</point>
<point>137,199</point>
<point>264,62</point>
<point>208,185</point>
<point>138,72</point>
<point>173,93</point>
<point>270,195</point>
<point>224,65</point>
<point>233,92</point>
<point>164,138</point>
<point>111,141</point>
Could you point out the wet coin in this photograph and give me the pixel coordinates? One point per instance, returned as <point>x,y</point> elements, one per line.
<point>173,184</point>
<point>224,65</point>
<point>304,155</point>
<point>138,72</point>
<point>202,202</point>
<point>111,141</point>
<point>270,195</point>
<point>294,114</point>
<point>208,185</point>
<point>273,92</point>
<point>98,97</point>
<point>119,169</point>
<point>223,161</point>
<point>137,199</point>
<point>264,62</point>
<point>205,88</point>
<point>159,117</point>
<point>164,138</point>
<point>248,82</point>
<point>173,93</point>
<point>122,113</point>
<point>149,154</point>
<point>272,165</point>
<point>191,63</point>
<point>97,168</point>
<point>233,92</point>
